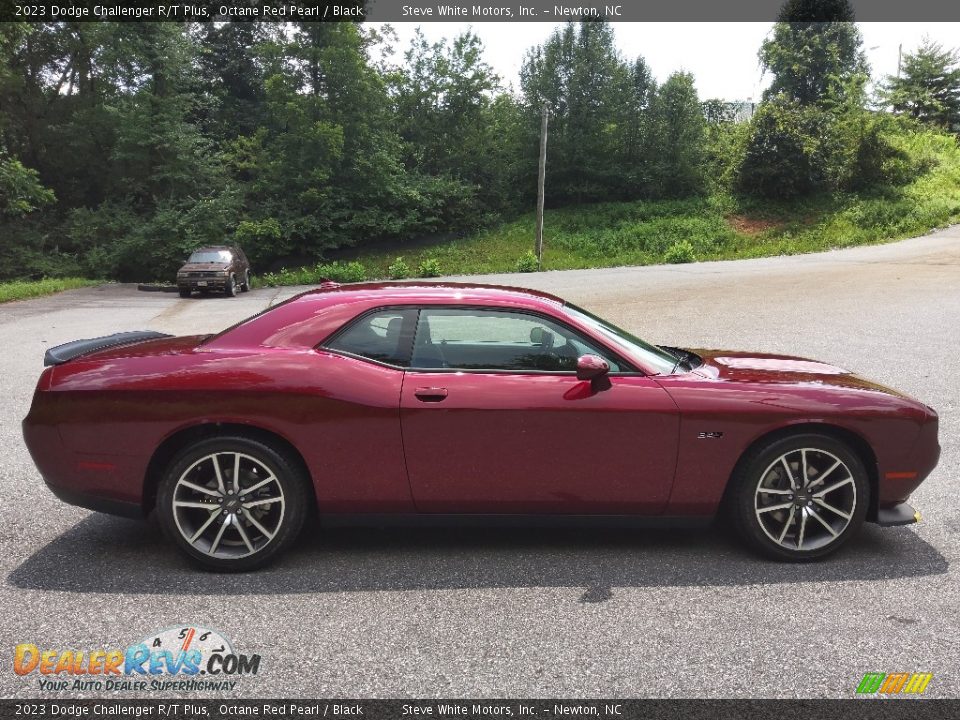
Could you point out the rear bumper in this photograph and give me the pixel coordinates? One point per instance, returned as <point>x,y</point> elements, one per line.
<point>94,502</point>
<point>900,514</point>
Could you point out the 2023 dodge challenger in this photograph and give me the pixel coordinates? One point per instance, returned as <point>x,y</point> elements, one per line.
<point>452,402</point>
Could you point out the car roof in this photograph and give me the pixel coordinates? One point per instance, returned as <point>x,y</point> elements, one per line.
<point>307,318</point>
<point>457,291</point>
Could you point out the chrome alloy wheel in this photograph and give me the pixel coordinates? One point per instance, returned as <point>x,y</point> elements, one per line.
<point>805,499</point>
<point>228,505</point>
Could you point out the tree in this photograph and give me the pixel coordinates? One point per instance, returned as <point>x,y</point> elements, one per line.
<point>928,89</point>
<point>814,53</point>
<point>678,137</point>
<point>595,99</point>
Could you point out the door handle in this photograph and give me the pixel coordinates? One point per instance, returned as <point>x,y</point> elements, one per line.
<point>430,394</point>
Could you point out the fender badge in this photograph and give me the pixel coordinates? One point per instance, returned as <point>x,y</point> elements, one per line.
<point>709,435</point>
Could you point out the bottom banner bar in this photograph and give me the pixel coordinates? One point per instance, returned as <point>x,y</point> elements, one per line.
<point>872,709</point>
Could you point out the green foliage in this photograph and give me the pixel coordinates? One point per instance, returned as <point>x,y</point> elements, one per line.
<point>794,150</point>
<point>527,262</point>
<point>127,145</point>
<point>336,271</point>
<point>928,88</point>
<point>21,290</point>
<point>680,252</point>
<point>342,272</point>
<point>815,53</point>
<point>398,269</point>
<point>20,189</point>
<point>428,268</point>
<point>678,130</point>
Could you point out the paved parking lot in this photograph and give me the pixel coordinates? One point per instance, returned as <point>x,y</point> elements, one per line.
<point>533,613</point>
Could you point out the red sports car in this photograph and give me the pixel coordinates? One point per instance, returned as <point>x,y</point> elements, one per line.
<point>440,402</point>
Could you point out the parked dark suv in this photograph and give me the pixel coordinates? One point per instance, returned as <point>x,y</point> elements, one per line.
<point>216,267</point>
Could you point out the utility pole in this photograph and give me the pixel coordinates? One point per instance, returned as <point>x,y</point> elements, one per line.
<point>541,174</point>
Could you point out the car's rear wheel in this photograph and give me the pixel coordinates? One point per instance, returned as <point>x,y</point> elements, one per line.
<point>800,497</point>
<point>232,503</point>
<point>185,293</point>
<point>231,288</point>
<point>245,286</point>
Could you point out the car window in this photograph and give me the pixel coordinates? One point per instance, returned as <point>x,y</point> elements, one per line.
<point>477,339</point>
<point>383,336</point>
<point>210,256</point>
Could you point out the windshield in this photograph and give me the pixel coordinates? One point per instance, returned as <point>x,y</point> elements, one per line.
<point>210,256</point>
<point>651,355</point>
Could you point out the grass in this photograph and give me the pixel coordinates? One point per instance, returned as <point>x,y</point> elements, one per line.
<point>22,289</point>
<point>718,227</point>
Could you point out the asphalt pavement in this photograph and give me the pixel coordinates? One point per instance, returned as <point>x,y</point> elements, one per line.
<point>532,613</point>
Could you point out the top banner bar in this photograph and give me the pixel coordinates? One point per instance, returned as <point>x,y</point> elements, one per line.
<point>467,11</point>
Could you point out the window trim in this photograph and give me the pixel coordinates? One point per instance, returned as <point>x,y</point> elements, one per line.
<point>324,344</point>
<point>589,339</point>
<point>632,371</point>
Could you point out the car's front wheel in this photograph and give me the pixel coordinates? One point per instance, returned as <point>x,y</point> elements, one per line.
<point>232,503</point>
<point>800,497</point>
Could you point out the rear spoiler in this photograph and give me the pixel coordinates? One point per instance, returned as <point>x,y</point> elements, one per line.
<point>68,351</point>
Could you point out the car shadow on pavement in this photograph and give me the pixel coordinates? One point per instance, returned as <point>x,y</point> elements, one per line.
<point>103,554</point>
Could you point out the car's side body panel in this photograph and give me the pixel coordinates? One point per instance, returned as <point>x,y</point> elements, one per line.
<point>523,443</point>
<point>341,414</point>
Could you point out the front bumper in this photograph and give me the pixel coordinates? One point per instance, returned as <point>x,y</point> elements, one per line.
<point>205,283</point>
<point>900,514</point>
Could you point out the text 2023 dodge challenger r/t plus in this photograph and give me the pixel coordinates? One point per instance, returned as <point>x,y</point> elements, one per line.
<point>438,402</point>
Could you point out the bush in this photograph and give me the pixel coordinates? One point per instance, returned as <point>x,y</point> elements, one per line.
<point>340,272</point>
<point>399,269</point>
<point>429,268</point>
<point>528,262</point>
<point>680,252</point>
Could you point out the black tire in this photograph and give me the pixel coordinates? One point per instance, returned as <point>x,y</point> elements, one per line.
<point>231,289</point>
<point>245,286</point>
<point>243,549</point>
<point>761,528</point>
<point>185,293</point>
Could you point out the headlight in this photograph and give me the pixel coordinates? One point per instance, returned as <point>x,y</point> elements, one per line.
<point>224,273</point>
<point>181,274</point>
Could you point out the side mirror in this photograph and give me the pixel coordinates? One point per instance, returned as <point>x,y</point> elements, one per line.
<point>591,367</point>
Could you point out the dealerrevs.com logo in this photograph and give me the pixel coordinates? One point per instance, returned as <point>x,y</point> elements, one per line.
<point>183,658</point>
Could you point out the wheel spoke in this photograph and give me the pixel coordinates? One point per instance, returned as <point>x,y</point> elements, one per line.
<point>803,468</point>
<point>774,491</point>
<point>243,533</point>
<point>265,501</point>
<point>256,523</point>
<point>823,476</point>
<point>216,540</point>
<point>823,522</point>
<point>833,487</point>
<point>213,516</point>
<point>783,534</point>
<point>827,506</point>
<point>786,466</point>
<point>192,504</point>
<point>199,488</point>
<point>216,470</point>
<point>236,472</point>
<point>771,508</point>
<point>254,488</point>
<point>803,529</point>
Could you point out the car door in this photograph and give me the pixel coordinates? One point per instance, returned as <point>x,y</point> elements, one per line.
<point>494,420</point>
